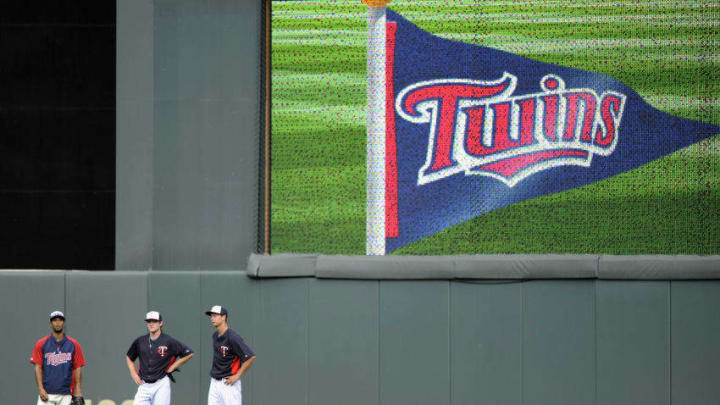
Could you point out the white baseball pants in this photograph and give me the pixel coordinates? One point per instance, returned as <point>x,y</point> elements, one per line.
<point>55,399</point>
<point>223,394</point>
<point>157,393</point>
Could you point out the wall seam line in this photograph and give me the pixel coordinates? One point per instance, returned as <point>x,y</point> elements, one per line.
<point>65,289</point>
<point>199,352</point>
<point>379,344</point>
<point>669,345</point>
<point>449,334</point>
<point>307,341</point>
<point>595,335</point>
<point>522,342</point>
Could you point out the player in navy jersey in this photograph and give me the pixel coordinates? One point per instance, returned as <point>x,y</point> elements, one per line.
<point>58,360</point>
<point>231,359</point>
<point>160,355</point>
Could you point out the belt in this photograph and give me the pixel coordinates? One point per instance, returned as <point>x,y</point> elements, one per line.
<point>152,381</point>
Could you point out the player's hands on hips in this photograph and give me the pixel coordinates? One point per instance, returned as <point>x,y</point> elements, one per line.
<point>232,379</point>
<point>137,379</point>
<point>43,394</point>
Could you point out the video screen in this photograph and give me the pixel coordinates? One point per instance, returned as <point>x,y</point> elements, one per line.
<point>460,127</point>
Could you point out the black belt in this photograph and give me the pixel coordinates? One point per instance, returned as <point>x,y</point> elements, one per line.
<point>152,381</point>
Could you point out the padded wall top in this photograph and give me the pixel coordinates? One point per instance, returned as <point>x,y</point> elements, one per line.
<point>486,267</point>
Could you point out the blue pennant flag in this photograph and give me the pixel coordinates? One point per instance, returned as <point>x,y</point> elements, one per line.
<point>470,129</point>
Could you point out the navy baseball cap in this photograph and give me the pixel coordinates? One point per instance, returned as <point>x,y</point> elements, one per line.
<point>153,316</point>
<point>57,314</point>
<point>216,309</point>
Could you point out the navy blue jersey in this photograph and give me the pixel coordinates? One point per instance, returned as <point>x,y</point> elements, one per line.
<point>156,355</point>
<point>229,352</point>
<point>58,361</point>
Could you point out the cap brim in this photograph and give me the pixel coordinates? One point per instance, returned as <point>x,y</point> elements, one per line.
<point>211,312</point>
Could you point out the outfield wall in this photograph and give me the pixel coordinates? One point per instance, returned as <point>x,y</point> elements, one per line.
<point>385,342</point>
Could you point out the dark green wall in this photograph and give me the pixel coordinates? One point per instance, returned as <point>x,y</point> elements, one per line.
<point>188,130</point>
<point>385,342</point>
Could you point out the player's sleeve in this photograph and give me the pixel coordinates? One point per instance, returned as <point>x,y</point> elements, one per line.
<point>78,356</point>
<point>132,352</point>
<point>180,349</point>
<point>37,355</point>
<point>243,350</point>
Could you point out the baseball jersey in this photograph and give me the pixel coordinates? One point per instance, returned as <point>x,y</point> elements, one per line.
<point>229,352</point>
<point>58,361</point>
<point>156,355</point>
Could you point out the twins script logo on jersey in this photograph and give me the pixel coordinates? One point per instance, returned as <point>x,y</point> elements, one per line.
<point>481,128</point>
<point>54,359</point>
<point>162,350</point>
<point>224,350</point>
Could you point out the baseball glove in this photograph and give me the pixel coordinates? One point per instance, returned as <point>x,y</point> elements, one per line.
<point>77,401</point>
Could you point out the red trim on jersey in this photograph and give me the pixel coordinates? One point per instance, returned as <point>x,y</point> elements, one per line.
<point>78,361</point>
<point>235,367</point>
<point>78,356</point>
<point>37,355</point>
<point>172,360</point>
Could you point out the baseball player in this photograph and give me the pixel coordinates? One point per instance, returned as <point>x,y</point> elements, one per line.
<point>58,363</point>
<point>160,355</point>
<point>231,359</point>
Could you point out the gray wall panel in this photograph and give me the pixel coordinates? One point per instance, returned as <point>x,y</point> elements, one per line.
<point>414,342</point>
<point>188,124</point>
<point>206,133</point>
<point>134,135</point>
<point>486,347</point>
<point>343,342</point>
<point>28,298</point>
<point>281,342</point>
<point>559,342</point>
<point>239,295</point>
<point>633,342</point>
<point>111,306</point>
<point>177,297</point>
<point>695,342</point>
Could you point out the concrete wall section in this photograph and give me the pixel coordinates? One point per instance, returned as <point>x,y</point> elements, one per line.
<point>206,131</point>
<point>558,342</point>
<point>282,342</point>
<point>486,327</point>
<point>695,336</point>
<point>343,347</point>
<point>134,140</point>
<point>633,341</point>
<point>188,128</point>
<point>414,342</point>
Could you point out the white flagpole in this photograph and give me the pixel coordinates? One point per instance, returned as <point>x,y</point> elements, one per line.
<point>375,238</point>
